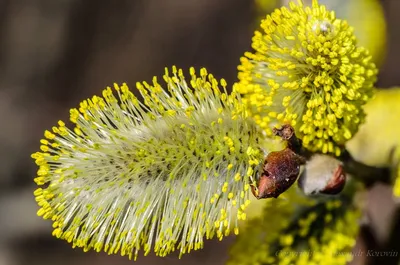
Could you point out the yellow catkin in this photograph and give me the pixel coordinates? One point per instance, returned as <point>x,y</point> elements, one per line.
<point>307,70</point>
<point>297,232</point>
<point>159,175</point>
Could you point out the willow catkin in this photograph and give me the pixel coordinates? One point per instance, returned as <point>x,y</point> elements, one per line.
<point>159,175</point>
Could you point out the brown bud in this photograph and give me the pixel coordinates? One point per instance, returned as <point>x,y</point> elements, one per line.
<point>323,174</point>
<point>280,169</point>
<point>336,183</point>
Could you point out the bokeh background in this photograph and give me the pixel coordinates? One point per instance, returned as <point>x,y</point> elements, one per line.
<point>53,53</point>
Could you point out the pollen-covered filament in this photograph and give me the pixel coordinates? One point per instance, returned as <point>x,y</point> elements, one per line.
<point>159,175</point>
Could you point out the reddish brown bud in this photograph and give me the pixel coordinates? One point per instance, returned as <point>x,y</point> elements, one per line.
<point>323,174</point>
<point>280,169</point>
<point>336,183</point>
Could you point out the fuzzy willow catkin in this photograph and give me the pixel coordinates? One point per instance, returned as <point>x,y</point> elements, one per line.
<point>301,231</point>
<point>158,175</point>
<point>307,70</point>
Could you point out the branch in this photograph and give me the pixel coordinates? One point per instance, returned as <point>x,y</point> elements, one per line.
<point>364,173</point>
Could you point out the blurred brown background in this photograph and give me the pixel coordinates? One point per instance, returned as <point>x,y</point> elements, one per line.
<point>53,53</point>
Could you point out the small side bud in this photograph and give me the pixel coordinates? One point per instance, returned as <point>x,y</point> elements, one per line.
<point>281,168</point>
<point>323,174</point>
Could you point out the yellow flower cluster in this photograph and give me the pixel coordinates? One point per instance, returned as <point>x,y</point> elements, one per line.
<point>307,70</point>
<point>161,175</point>
<point>320,233</point>
<point>258,234</point>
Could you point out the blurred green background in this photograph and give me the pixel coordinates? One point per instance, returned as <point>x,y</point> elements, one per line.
<point>53,53</point>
